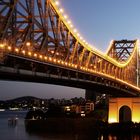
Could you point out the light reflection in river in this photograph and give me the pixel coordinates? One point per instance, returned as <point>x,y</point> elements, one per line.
<point>18,131</point>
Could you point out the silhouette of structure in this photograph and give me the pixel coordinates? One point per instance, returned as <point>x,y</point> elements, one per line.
<point>124,110</point>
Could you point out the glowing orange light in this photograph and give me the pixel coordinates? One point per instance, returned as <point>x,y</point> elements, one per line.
<point>40,56</point>
<point>54,60</point>
<point>28,43</point>
<point>23,51</point>
<point>75,66</point>
<point>112,120</point>
<point>81,37</point>
<point>1,45</point>
<point>71,25</point>
<point>52,52</point>
<point>16,50</point>
<point>84,68</point>
<point>84,41</point>
<point>69,22</point>
<point>57,53</point>
<point>65,16</point>
<point>35,55</point>
<point>66,63</point>
<point>9,48</point>
<point>50,58</point>
<point>57,3</point>
<point>29,53</point>
<point>78,34</point>
<point>45,58</point>
<point>61,10</point>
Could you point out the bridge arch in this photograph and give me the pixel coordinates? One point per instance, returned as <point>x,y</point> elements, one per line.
<point>125,114</point>
<point>124,109</point>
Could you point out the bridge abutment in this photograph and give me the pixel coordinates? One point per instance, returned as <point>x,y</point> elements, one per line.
<point>124,109</point>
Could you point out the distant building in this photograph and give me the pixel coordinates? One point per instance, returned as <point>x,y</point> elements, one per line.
<point>89,107</point>
<point>80,109</point>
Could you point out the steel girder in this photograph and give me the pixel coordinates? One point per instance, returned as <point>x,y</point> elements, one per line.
<point>121,50</point>
<point>35,28</point>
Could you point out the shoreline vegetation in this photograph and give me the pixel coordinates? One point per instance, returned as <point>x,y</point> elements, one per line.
<point>81,126</point>
<point>56,122</point>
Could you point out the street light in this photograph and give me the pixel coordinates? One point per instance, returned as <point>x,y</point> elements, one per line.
<point>28,44</point>
<point>1,45</point>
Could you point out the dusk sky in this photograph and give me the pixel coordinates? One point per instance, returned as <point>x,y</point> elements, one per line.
<point>99,22</point>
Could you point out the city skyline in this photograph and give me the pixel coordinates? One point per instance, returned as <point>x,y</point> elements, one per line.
<point>98,22</point>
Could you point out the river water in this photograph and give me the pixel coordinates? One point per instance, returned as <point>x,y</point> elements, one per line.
<point>18,131</point>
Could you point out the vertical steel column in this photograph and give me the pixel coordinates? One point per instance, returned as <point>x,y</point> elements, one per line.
<point>137,70</point>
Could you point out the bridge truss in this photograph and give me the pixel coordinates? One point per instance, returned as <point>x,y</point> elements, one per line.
<point>36,36</point>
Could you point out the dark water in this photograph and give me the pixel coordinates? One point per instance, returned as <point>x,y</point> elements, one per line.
<point>18,131</point>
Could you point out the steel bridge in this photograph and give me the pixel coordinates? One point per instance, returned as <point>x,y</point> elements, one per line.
<point>39,44</point>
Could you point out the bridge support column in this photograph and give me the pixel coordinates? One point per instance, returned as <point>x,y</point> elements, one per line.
<point>91,95</point>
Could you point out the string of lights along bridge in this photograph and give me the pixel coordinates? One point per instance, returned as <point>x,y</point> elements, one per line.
<point>39,43</point>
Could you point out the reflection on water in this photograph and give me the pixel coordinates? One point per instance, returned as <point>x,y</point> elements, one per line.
<point>85,137</point>
<point>18,131</point>
<point>120,137</point>
<point>65,137</point>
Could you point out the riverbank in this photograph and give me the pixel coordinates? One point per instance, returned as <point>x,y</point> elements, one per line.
<point>58,125</point>
<point>19,132</point>
<point>80,125</point>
